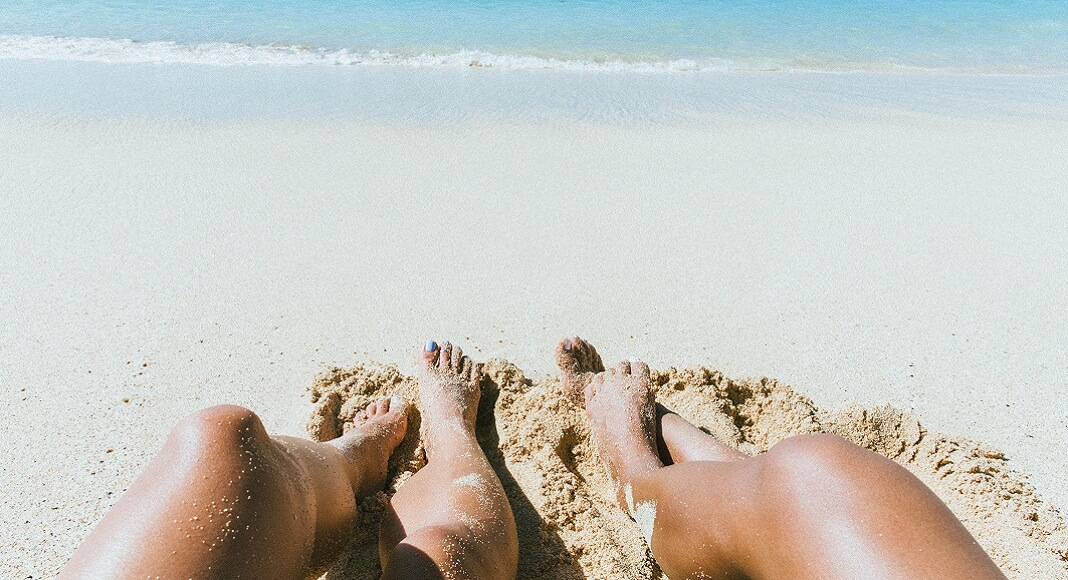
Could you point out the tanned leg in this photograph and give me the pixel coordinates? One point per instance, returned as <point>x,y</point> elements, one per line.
<point>678,440</point>
<point>814,506</point>
<point>452,518</point>
<point>223,499</point>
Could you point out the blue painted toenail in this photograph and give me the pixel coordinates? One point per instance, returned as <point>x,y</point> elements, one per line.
<point>567,344</point>
<point>431,346</point>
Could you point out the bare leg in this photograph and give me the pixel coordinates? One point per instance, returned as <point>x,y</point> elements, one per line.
<point>223,499</point>
<point>452,518</point>
<point>678,440</point>
<point>814,506</point>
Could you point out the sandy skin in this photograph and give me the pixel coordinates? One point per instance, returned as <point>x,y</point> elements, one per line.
<point>223,499</point>
<point>452,518</point>
<point>813,506</point>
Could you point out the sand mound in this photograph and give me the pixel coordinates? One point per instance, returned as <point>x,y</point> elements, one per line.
<point>568,526</point>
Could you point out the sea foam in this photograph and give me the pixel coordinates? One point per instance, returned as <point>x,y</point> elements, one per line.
<point>80,49</point>
<point>19,47</point>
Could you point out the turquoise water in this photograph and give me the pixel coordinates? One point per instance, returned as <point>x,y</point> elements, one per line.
<point>1029,36</point>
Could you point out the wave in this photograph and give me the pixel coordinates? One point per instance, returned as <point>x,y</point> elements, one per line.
<point>17,47</point>
<point>22,47</point>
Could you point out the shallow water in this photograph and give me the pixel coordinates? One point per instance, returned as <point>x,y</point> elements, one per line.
<point>1028,36</point>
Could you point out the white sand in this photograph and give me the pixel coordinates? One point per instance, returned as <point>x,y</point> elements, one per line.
<point>911,260</point>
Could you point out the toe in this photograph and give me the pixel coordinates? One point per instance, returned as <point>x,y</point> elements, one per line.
<point>590,395</point>
<point>567,357</point>
<point>591,389</point>
<point>587,356</point>
<point>457,359</point>
<point>445,358</point>
<point>466,366</point>
<point>580,349</point>
<point>397,404</point>
<point>428,357</point>
<point>476,373</point>
<point>624,367</point>
<point>639,369</point>
<point>372,409</point>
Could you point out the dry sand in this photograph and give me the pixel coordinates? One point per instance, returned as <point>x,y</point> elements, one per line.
<point>569,526</point>
<point>152,267</point>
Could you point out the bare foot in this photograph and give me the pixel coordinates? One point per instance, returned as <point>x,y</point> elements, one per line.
<point>448,392</point>
<point>369,445</point>
<point>622,414</point>
<point>578,362</point>
<point>677,439</point>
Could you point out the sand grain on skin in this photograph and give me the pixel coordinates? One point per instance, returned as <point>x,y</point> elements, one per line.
<point>563,499</point>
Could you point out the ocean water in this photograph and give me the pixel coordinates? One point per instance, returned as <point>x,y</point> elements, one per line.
<point>975,36</point>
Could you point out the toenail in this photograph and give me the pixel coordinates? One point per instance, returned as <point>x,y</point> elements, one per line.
<point>633,359</point>
<point>431,346</point>
<point>567,344</point>
<point>397,403</point>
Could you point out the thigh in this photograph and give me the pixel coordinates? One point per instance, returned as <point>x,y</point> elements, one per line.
<point>813,506</point>
<point>837,510</point>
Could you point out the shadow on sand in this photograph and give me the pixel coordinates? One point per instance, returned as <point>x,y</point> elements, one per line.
<point>542,552</point>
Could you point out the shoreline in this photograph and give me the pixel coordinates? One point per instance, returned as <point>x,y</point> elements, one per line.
<point>16,47</point>
<point>158,266</point>
<point>156,43</point>
<point>203,92</point>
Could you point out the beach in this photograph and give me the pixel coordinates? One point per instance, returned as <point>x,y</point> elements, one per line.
<point>882,247</point>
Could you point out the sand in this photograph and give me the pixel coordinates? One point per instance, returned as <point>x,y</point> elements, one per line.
<point>153,266</point>
<point>564,504</point>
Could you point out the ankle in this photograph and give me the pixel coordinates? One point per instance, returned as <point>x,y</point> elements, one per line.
<point>639,467</point>
<point>353,445</point>
<point>629,488</point>
<point>448,436</point>
<point>633,472</point>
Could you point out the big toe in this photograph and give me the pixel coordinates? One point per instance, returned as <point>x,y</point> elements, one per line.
<point>394,406</point>
<point>427,358</point>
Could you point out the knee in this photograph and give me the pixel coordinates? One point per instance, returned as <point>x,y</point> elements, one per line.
<point>817,461</point>
<point>221,428</point>
<point>815,447</point>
